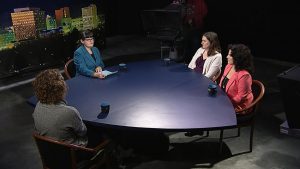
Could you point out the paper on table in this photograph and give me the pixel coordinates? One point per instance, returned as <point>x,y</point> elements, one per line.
<point>107,73</point>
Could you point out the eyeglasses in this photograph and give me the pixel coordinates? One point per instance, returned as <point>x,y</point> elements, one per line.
<point>89,39</point>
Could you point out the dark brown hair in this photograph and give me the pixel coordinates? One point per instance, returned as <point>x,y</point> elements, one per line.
<point>242,57</point>
<point>86,34</point>
<point>49,86</point>
<point>214,46</point>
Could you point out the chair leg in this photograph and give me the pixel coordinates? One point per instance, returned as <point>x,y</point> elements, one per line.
<point>239,132</point>
<point>221,141</point>
<point>251,137</point>
<point>207,134</point>
<point>73,158</point>
<point>161,50</point>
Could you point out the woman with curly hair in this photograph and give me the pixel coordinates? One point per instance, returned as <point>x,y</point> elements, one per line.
<point>52,116</point>
<point>236,80</point>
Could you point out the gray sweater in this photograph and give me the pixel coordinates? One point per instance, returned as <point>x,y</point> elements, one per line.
<point>61,122</point>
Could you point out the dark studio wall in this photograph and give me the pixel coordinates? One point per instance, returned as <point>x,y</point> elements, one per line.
<point>124,16</point>
<point>269,27</point>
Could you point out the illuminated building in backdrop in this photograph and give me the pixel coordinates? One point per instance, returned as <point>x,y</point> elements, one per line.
<point>7,37</point>
<point>89,17</point>
<point>66,24</point>
<point>50,22</point>
<point>60,14</point>
<point>27,21</point>
<point>77,23</point>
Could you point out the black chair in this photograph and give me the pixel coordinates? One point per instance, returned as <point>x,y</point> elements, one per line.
<point>70,69</point>
<point>60,155</point>
<point>246,116</point>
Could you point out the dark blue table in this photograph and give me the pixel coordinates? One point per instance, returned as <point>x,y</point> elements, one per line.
<point>151,95</point>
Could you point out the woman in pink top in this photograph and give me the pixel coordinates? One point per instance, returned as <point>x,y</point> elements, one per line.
<point>236,80</point>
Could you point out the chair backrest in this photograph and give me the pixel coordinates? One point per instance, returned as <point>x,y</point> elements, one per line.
<point>70,69</point>
<point>56,154</point>
<point>258,90</point>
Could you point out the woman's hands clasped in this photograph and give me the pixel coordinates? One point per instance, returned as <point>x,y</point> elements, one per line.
<point>98,73</point>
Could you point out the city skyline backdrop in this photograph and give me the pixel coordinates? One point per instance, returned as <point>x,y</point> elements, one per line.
<point>49,6</point>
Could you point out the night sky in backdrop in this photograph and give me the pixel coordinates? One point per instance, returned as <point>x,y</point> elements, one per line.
<point>49,6</point>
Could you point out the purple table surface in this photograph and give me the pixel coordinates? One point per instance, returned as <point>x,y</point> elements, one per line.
<point>151,95</point>
<point>154,96</point>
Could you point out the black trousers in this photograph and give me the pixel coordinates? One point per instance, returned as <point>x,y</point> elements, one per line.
<point>142,142</point>
<point>95,136</point>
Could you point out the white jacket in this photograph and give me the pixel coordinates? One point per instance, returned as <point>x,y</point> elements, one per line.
<point>212,65</point>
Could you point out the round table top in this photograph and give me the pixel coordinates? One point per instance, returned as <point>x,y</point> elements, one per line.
<point>151,95</point>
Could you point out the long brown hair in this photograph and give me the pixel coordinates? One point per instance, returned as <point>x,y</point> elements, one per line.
<point>214,46</point>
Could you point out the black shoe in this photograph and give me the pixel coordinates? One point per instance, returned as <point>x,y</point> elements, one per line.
<point>193,133</point>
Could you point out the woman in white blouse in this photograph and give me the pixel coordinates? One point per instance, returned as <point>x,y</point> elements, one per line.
<point>208,61</point>
<point>208,58</point>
